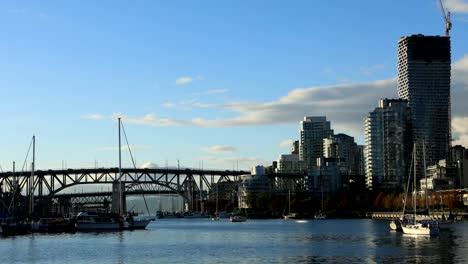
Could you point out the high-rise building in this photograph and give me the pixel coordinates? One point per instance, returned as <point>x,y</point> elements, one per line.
<point>312,132</point>
<point>343,148</point>
<point>295,147</point>
<point>424,80</point>
<point>388,144</point>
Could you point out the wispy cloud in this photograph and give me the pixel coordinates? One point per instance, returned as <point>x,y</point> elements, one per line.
<point>370,70</point>
<point>131,147</point>
<point>219,149</point>
<point>17,11</point>
<point>184,80</point>
<point>457,6</point>
<point>26,12</point>
<point>286,143</point>
<point>94,117</point>
<point>216,91</point>
<point>249,161</point>
<point>168,105</point>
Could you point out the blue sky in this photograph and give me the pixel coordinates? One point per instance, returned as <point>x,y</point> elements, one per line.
<point>218,82</point>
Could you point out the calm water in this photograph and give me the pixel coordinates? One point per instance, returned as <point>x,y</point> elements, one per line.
<point>255,241</point>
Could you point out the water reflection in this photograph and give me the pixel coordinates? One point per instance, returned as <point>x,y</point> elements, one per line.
<point>263,241</point>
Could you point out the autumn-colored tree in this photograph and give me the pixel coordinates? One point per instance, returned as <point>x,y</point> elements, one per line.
<point>378,200</point>
<point>387,201</point>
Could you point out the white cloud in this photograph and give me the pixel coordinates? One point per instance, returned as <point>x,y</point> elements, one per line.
<point>149,165</point>
<point>132,147</point>
<point>286,143</point>
<point>94,117</point>
<point>184,80</point>
<point>345,105</point>
<point>219,149</point>
<point>457,6</point>
<point>460,131</point>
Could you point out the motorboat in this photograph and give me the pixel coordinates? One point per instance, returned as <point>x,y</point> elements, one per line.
<point>238,218</point>
<point>94,222</point>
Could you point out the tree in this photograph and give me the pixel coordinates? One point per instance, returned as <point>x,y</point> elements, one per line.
<point>378,200</point>
<point>251,200</point>
<point>263,200</point>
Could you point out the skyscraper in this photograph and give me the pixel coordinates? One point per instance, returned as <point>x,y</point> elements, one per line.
<point>424,80</point>
<point>388,144</point>
<point>312,132</point>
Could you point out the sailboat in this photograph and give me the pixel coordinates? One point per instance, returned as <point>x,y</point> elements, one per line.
<point>414,227</point>
<point>215,216</point>
<point>130,220</point>
<point>320,215</point>
<point>290,215</point>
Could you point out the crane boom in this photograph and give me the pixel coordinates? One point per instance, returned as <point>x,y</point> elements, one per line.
<point>446,15</point>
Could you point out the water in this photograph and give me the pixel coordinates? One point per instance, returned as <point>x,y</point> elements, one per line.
<point>255,241</point>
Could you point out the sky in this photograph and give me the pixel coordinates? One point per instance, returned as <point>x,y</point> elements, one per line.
<point>212,84</point>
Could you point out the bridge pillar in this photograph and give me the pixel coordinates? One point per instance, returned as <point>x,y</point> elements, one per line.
<point>116,198</point>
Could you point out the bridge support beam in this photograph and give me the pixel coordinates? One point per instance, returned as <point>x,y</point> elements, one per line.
<point>116,198</point>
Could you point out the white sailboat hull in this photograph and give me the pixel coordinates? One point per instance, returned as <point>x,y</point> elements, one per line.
<point>420,229</point>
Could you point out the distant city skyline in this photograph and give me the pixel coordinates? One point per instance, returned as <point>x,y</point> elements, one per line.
<point>212,84</point>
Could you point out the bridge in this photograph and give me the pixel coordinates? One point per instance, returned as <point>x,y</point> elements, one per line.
<point>191,184</point>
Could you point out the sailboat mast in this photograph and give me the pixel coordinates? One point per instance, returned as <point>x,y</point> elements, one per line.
<point>120,174</point>
<point>425,174</point>
<point>31,185</point>
<point>414,183</point>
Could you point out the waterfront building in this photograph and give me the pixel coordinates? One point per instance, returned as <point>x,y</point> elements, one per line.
<point>313,129</point>
<point>290,163</point>
<point>388,144</point>
<point>342,147</point>
<point>424,81</point>
<point>255,183</point>
<point>441,176</point>
<point>326,177</point>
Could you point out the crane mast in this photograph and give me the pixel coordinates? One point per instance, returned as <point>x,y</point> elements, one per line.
<point>446,15</point>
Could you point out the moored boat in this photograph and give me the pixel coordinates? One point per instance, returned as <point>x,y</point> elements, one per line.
<point>291,216</point>
<point>320,215</point>
<point>238,218</point>
<point>53,225</point>
<point>136,222</point>
<point>93,222</point>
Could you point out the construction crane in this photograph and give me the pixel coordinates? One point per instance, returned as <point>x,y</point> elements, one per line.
<point>446,15</point>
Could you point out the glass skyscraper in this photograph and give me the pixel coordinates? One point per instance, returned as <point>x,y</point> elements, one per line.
<point>424,81</point>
